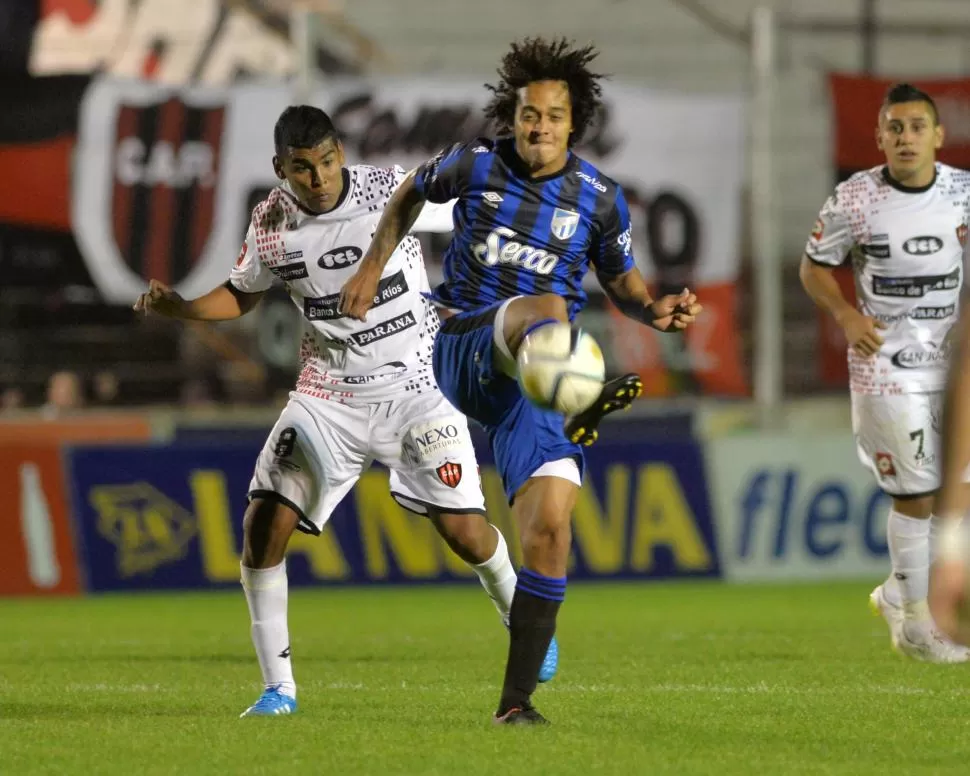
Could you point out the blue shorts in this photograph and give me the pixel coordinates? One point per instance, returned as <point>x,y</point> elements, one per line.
<point>523,437</point>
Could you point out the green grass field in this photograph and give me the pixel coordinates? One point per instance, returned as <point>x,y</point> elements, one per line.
<point>681,678</point>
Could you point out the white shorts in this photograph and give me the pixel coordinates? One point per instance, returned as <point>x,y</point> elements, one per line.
<point>898,440</point>
<point>318,449</point>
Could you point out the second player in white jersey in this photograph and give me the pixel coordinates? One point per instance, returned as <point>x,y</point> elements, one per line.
<point>366,390</point>
<point>906,247</point>
<point>904,226</point>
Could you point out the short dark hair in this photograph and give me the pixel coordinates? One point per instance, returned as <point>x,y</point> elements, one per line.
<point>302,126</point>
<point>537,59</point>
<point>904,92</point>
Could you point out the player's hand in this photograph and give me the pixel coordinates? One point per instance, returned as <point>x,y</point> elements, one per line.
<point>862,333</point>
<point>948,599</point>
<point>675,311</point>
<point>357,295</point>
<point>160,299</point>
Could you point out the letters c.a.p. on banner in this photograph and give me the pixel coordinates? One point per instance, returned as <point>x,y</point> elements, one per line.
<point>165,180</point>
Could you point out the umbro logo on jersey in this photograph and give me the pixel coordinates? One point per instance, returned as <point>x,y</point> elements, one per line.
<point>923,246</point>
<point>479,150</point>
<point>491,198</point>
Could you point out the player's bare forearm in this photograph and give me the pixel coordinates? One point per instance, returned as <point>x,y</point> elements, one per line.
<point>956,421</point>
<point>223,303</point>
<point>820,284</point>
<point>220,304</point>
<point>400,213</point>
<point>630,295</point>
<point>670,313</point>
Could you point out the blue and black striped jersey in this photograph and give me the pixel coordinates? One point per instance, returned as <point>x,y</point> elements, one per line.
<point>520,235</point>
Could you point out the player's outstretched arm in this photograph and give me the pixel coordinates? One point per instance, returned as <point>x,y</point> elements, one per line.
<point>223,303</point>
<point>860,330</point>
<point>669,313</point>
<point>400,213</point>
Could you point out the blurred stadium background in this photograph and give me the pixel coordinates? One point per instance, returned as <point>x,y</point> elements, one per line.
<point>135,136</point>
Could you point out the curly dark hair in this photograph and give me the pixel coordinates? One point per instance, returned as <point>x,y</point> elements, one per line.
<point>537,59</point>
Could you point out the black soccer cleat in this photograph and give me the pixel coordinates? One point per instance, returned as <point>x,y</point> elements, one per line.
<point>520,716</point>
<point>617,394</point>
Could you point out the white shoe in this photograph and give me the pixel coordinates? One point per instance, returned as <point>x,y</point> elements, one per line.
<point>890,612</point>
<point>919,639</point>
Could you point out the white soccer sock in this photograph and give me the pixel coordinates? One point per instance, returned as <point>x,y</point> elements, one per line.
<point>266,594</point>
<point>910,553</point>
<point>498,577</point>
<point>936,526</point>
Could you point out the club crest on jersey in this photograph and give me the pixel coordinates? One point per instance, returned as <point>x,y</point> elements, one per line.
<point>884,465</point>
<point>564,223</point>
<point>818,230</point>
<point>962,234</point>
<point>449,473</point>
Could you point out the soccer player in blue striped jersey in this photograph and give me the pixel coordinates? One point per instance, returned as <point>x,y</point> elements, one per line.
<point>531,218</point>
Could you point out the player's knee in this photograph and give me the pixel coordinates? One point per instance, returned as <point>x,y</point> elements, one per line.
<point>547,535</point>
<point>471,537</point>
<point>267,527</point>
<point>527,310</point>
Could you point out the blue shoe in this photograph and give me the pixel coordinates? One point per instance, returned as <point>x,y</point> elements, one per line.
<point>273,702</point>
<point>550,663</point>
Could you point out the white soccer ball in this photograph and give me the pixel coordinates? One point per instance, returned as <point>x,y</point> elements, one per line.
<point>561,368</point>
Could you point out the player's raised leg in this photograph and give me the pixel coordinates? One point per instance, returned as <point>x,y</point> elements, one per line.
<point>524,315</point>
<point>267,528</point>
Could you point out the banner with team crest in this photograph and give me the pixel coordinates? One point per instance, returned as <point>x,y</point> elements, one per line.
<point>165,180</point>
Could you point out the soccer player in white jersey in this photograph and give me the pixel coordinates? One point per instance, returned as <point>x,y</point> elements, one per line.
<point>905,224</point>
<point>365,392</point>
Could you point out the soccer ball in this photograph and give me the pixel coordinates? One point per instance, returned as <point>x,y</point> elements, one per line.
<point>561,368</point>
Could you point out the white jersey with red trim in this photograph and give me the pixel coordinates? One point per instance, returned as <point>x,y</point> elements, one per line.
<point>907,249</point>
<point>313,256</point>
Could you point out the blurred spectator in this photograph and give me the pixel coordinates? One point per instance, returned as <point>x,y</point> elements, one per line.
<point>11,399</point>
<point>63,394</point>
<point>105,387</point>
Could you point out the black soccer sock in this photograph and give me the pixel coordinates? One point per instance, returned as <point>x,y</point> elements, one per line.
<point>532,624</point>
